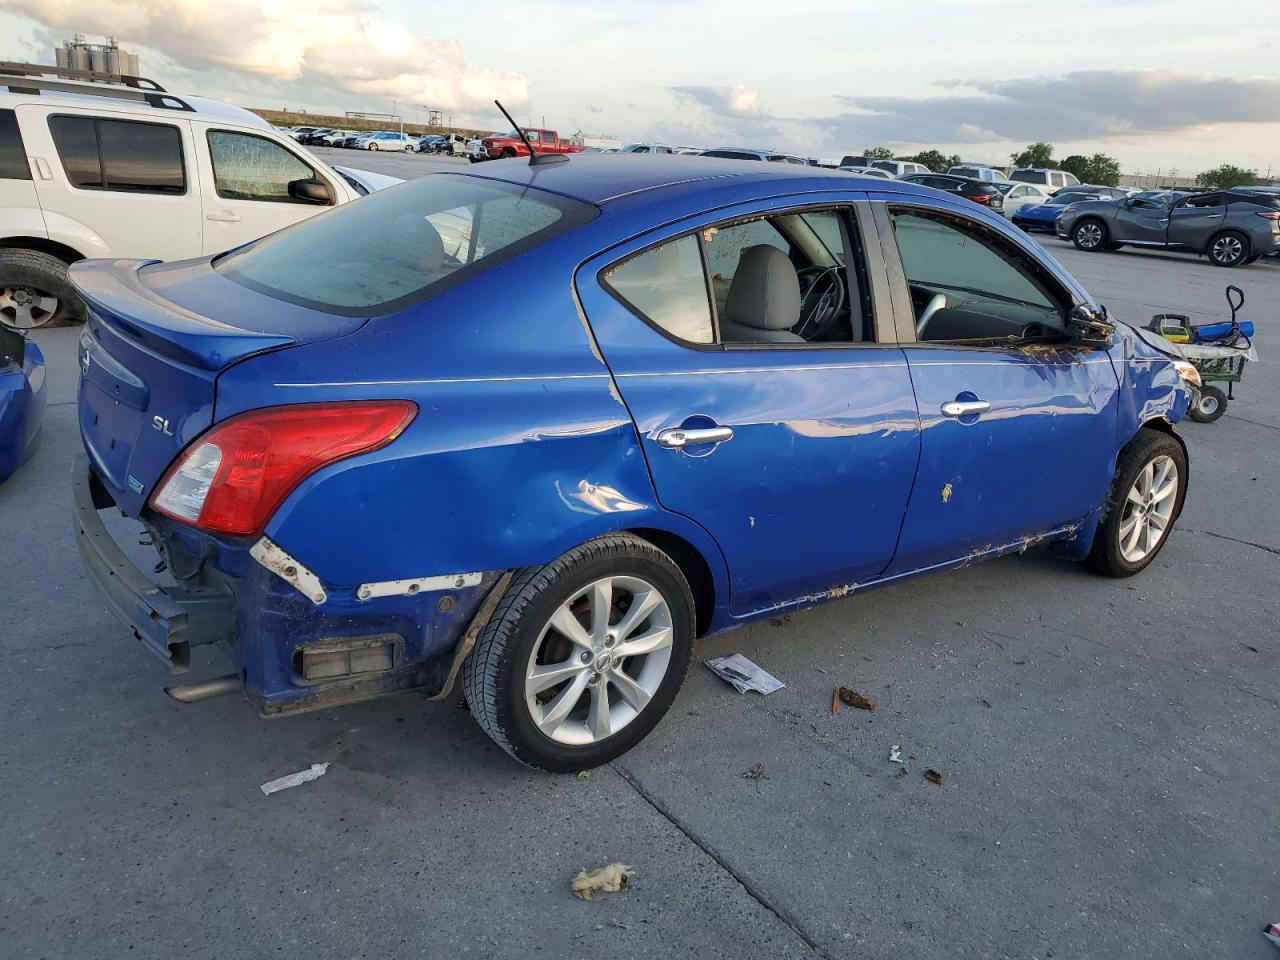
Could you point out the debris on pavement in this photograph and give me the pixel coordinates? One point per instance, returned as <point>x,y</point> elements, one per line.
<point>895,754</point>
<point>584,774</point>
<point>755,773</point>
<point>609,879</point>
<point>933,776</point>
<point>1272,932</point>
<point>744,675</point>
<point>314,772</point>
<point>853,698</point>
<point>835,701</point>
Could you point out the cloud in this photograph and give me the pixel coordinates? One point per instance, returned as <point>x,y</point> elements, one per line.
<point>336,44</point>
<point>1086,105</point>
<point>737,101</point>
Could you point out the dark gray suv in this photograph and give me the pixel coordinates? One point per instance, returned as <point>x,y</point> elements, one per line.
<point>1229,227</point>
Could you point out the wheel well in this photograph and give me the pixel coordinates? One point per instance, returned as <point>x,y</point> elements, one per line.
<point>1163,426</point>
<point>694,568</point>
<point>43,245</point>
<point>1248,246</point>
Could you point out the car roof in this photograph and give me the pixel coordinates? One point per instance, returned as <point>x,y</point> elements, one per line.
<point>601,179</point>
<point>92,101</point>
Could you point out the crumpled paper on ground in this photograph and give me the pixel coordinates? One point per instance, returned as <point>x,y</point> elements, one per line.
<point>314,772</point>
<point>610,879</point>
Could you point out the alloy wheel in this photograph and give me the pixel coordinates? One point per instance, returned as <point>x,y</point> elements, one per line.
<point>1089,235</point>
<point>599,660</point>
<point>1227,250</point>
<point>1148,509</point>
<point>25,307</point>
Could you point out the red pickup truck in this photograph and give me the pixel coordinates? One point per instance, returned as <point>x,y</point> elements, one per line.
<point>510,144</point>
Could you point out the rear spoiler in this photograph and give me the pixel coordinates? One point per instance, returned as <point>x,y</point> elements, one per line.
<point>115,292</point>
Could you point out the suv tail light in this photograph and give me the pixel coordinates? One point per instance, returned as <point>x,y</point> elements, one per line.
<point>232,479</point>
<point>1273,216</point>
<point>984,198</point>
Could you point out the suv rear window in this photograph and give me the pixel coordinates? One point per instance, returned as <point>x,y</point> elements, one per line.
<point>399,246</point>
<point>124,155</point>
<point>13,157</point>
<point>1030,176</point>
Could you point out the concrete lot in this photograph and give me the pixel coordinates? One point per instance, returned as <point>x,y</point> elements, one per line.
<point>1109,752</point>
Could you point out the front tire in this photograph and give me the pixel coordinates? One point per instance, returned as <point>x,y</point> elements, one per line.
<point>1208,405</point>
<point>584,655</point>
<point>35,291</point>
<point>1090,235</point>
<point>373,146</point>
<point>1142,506</point>
<point>1228,249</point>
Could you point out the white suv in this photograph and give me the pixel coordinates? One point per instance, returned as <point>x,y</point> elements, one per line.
<point>92,168</point>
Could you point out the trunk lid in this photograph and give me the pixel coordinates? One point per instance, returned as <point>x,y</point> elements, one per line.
<point>149,362</point>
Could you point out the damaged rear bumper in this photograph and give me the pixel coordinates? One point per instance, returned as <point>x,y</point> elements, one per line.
<point>167,621</point>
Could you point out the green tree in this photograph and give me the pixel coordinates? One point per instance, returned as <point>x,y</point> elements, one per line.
<point>935,160</point>
<point>878,153</point>
<point>1077,164</point>
<point>1036,155</point>
<point>1226,176</point>
<point>1102,169</point>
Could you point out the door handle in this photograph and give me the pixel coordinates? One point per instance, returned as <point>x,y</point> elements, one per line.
<point>42,168</point>
<point>223,216</point>
<point>1213,216</point>
<point>677,438</point>
<point>964,408</point>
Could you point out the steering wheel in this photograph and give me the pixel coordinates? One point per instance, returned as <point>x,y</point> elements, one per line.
<point>822,301</point>
<point>933,306</point>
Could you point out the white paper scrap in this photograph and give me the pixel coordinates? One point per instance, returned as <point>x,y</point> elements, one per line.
<point>314,772</point>
<point>744,675</point>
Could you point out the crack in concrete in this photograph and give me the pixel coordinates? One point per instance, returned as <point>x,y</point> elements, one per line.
<point>1247,543</point>
<point>1256,423</point>
<point>783,915</point>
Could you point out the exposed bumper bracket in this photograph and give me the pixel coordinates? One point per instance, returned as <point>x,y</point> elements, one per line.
<point>272,556</point>
<point>168,621</point>
<point>478,623</point>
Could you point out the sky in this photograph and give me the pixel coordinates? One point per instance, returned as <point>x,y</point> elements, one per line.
<point>1163,85</point>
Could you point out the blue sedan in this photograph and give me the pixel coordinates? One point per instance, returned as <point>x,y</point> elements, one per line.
<point>542,427</point>
<point>1044,216</point>
<point>22,399</point>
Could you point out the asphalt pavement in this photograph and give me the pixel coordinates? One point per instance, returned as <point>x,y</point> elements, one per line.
<point>1108,752</point>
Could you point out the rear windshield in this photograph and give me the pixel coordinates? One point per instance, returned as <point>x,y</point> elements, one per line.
<point>1030,176</point>
<point>401,245</point>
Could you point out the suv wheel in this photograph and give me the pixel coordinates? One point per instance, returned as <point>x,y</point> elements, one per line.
<point>1228,249</point>
<point>583,656</point>
<point>1089,235</point>
<point>35,291</point>
<point>1145,500</point>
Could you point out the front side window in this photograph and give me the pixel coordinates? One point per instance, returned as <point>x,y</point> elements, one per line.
<point>13,156</point>
<point>782,280</point>
<point>248,167</point>
<point>968,285</point>
<point>398,246</point>
<point>122,155</point>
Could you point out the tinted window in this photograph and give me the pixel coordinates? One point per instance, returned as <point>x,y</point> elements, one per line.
<point>987,294</point>
<point>1028,176</point>
<point>120,155</point>
<point>732,155</point>
<point>885,165</point>
<point>666,285</point>
<point>246,167</point>
<point>398,246</point>
<point>13,157</point>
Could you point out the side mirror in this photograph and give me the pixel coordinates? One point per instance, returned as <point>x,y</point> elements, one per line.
<point>310,191</point>
<point>1090,327</point>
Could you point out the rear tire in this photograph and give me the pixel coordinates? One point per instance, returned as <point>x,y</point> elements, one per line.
<point>508,152</point>
<point>535,681</point>
<point>1090,235</point>
<point>1209,404</point>
<point>35,291</point>
<point>1230,248</point>
<point>1136,522</point>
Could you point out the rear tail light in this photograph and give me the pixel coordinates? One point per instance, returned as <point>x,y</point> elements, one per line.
<point>981,198</point>
<point>1273,216</point>
<point>232,479</point>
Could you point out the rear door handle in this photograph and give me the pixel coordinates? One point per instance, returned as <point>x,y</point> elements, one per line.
<point>42,168</point>
<point>1213,216</point>
<point>223,216</point>
<point>677,438</point>
<point>965,408</point>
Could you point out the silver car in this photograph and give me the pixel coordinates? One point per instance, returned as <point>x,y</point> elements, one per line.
<point>1229,227</point>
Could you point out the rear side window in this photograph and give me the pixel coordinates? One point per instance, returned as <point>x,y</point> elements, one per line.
<point>1028,176</point>
<point>13,156</point>
<point>666,285</point>
<point>122,155</point>
<point>398,246</point>
<point>247,167</point>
